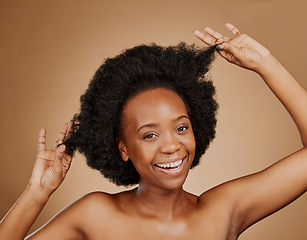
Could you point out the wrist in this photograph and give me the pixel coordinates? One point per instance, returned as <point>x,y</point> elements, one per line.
<point>37,194</point>
<point>268,66</point>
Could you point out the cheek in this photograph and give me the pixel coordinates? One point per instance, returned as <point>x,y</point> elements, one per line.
<point>190,143</point>
<point>142,158</point>
<point>142,153</point>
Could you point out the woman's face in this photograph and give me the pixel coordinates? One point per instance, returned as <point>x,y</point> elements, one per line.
<point>158,138</point>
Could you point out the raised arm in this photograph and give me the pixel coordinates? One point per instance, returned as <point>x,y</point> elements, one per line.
<point>258,195</point>
<point>248,53</point>
<point>49,171</point>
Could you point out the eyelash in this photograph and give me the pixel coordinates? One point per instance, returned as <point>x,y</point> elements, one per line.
<point>183,128</point>
<point>179,129</point>
<point>147,136</point>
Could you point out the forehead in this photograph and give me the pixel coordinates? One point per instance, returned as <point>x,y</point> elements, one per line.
<point>154,105</point>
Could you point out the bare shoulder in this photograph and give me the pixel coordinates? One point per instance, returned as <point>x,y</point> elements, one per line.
<point>217,194</point>
<point>79,219</point>
<point>98,207</point>
<point>250,198</point>
<point>101,201</point>
<point>96,200</point>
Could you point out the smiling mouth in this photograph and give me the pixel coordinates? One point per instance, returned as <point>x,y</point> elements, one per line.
<point>173,166</point>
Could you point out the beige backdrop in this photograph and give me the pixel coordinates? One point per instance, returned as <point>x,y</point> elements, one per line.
<point>50,50</point>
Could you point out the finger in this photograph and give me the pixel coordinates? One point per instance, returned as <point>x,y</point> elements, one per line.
<point>207,39</point>
<point>67,159</point>
<point>223,53</point>
<point>69,125</point>
<point>233,29</point>
<point>60,137</point>
<point>226,55</point>
<point>230,52</point>
<point>69,128</point>
<point>42,140</point>
<point>58,161</point>
<point>232,49</point>
<point>215,34</point>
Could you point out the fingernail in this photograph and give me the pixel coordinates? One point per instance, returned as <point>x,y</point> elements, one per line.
<point>220,40</point>
<point>62,148</point>
<point>220,46</point>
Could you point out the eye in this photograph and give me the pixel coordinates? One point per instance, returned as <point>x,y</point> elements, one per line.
<point>182,129</point>
<point>150,136</point>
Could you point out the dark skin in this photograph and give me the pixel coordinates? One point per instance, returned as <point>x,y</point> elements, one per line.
<point>159,140</point>
<point>158,131</point>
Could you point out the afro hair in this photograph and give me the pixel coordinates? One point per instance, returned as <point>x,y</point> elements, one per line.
<point>180,68</point>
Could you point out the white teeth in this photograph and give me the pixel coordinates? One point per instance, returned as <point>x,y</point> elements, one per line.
<point>171,165</point>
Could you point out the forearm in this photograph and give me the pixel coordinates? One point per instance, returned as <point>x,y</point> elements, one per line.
<point>50,169</point>
<point>290,93</point>
<point>22,215</point>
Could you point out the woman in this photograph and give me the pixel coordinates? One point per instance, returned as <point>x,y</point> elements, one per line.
<point>158,136</point>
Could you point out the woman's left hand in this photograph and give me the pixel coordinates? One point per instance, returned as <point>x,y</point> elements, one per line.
<point>241,50</point>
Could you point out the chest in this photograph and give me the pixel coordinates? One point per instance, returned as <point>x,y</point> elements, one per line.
<point>212,226</point>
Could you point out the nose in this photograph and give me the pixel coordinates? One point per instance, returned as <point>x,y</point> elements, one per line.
<point>170,144</point>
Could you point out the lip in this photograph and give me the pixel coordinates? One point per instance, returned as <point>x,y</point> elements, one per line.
<point>173,172</point>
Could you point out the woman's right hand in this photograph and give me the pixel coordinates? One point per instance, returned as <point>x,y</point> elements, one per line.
<point>51,166</point>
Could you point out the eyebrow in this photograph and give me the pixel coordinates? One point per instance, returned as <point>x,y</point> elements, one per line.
<point>151,125</point>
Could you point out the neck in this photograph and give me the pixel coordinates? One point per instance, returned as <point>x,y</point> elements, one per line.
<point>161,203</point>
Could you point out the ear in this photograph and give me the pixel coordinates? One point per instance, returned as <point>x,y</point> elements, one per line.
<point>122,149</point>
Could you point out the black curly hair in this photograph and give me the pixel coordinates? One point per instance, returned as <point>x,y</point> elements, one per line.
<point>179,68</point>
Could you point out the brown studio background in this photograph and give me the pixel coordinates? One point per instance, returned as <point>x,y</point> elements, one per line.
<point>50,50</point>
